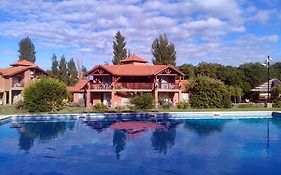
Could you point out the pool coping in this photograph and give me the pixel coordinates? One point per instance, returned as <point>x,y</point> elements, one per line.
<point>180,115</point>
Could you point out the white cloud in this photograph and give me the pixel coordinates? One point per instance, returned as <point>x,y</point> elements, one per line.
<point>198,28</point>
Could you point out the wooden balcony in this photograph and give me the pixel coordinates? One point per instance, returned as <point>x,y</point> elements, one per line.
<point>100,86</point>
<point>134,86</point>
<point>169,86</point>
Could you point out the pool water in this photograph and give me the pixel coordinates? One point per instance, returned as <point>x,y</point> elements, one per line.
<point>130,147</point>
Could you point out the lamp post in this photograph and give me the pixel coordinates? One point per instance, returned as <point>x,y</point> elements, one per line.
<point>267,64</point>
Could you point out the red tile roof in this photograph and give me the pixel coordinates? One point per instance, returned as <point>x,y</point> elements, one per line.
<point>78,86</point>
<point>134,58</point>
<point>23,63</point>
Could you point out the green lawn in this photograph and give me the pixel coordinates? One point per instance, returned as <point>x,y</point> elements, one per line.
<point>10,110</point>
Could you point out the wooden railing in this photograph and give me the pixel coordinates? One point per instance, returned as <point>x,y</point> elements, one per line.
<point>17,84</point>
<point>134,85</point>
<point>100,86</point>
<point>168,86</point>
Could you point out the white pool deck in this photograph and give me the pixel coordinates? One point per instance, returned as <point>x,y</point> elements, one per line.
<point>175,115</point>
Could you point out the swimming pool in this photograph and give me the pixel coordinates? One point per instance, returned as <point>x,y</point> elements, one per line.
<point>140,146</point>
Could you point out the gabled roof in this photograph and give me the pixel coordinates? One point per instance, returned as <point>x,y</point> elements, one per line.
<point>78,86</point>
<point>23,63</point>
<point>263,87</point>
<point>135,70</point>
<point>19,67</point>
<point>134,58</point>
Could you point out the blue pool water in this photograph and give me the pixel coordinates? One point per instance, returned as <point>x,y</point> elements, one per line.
<point>162,147</point>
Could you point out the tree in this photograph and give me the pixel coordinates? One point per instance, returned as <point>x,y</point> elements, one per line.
<point>55,66</point>
<point>119,48</point>
<point>45,95</point>
<point>72,72</point>
<point>143,101</point>
<point>163,51</point>
<point>208,69</point>
<point>188,70</point>
<point>206,92</point>
<point>27,50</point>
<point>63,69</point>
<point>84,70</point>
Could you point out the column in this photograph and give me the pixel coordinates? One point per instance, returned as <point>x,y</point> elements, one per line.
<point>88,99</point>
<point>10,97</point>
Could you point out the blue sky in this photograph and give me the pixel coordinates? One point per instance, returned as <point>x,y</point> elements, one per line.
<point>229,32</point>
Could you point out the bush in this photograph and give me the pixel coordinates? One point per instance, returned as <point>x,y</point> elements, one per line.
<point>165,103</point>
<point>45,95</point>
<point>206,92</point>
<point>183,105</point>
<point>249,105</point>
<point>277,102</point>
<point>143,101</point>
<point>20,105</point>
<point>100,107</point>
<point>275,93</point>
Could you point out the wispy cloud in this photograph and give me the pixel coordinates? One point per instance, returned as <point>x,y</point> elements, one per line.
<point>88,27</point>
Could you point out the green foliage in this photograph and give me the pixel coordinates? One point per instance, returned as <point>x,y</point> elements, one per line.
<point>55,66</point>
<point>27,50</point>
<point>277,103</point>
<point>208,69</point>
<point>19,105</point>
<point>63,70</point>
<point>45,95</point>
<point>164,103</point>
<point>119,48</point>
<point>143,101</point>
<point>275,93</point>
<point>188,70</point>
<point>163,51</point>
<point>206,92</point>
<point>235,93</point>
<point>183,105</point>
<point>100,107</point>
<point>255,73</point>
<point>72,72</point>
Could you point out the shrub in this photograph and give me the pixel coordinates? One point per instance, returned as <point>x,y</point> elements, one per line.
<point>100,107</point>
<point>45,95</point>
<point>206,92</point>
<point>277,102</point>
<point>165,103</point>
<point>183,105</point>
<point>143,101</point>
<point>250,105</point>
<point>275,93</point>
<point>20,105</point>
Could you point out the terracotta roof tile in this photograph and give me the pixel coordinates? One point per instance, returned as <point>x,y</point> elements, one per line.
<point>23,63</point>
<point>134,58</point>
<point>78,86</point>
<point>13,70</point>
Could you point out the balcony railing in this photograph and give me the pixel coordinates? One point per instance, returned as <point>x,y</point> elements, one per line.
<point>18,85</point>
<point>168,86</point>
<point>134,86</point>
<point>102,86</point>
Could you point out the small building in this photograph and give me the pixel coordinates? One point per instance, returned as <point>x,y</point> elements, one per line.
<point>113,85</point>
<point>262,90</point>
<point>13,80</point>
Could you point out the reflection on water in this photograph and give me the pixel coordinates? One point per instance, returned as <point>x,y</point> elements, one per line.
<point>154,146</point>
<point>205,127</point>
<point>43,132</point>
<point>119,141</point>
<point>163,138</point>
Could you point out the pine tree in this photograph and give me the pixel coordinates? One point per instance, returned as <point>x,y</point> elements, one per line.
<point>55,66</point>
<point>72,72</point>
<point>63,69</point>
<point>163,51</point>
<point>119,48</point>
<point>27,50</point>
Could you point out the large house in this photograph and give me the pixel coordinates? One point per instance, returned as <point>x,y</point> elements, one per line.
<point>113,85</point>
<point>262,90</point>
<point>13,80</point>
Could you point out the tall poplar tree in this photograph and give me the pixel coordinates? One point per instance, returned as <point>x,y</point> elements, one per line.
<point>63,69</point>
<point>163,51</point>
<point>55,66</point>
<point>119,48</point>
<point>72,72</point>
<point>27,50</point>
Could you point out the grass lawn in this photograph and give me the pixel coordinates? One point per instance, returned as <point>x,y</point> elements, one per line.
<point>11,110</point>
